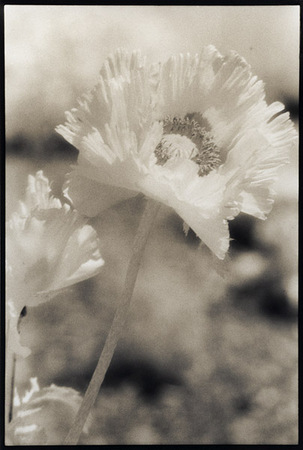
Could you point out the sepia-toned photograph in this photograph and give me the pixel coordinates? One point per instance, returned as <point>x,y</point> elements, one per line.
<point>151,224</point>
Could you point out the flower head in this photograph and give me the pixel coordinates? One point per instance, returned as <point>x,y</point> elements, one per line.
<point>43,416</point>
<point>194,133</point>
<point>49,246</point>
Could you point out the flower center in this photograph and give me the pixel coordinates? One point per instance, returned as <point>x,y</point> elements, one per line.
<point>186,138</point>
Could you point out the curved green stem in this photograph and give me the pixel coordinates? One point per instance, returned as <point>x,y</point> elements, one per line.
<point>119,320</point>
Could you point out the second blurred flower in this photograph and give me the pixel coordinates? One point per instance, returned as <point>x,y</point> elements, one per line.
<point>49,246</point>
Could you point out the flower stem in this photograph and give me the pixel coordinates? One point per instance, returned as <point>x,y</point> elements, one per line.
<point>119,320</point>
<point>10,368</point>
<point>9,376</point>
<point>11,397</point>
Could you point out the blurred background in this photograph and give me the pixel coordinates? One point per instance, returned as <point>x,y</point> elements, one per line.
<point>209,353</point>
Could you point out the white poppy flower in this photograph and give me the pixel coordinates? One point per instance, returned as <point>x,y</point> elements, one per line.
<point>194,133</point>
<point>43,416</point>
<point>49,246</point>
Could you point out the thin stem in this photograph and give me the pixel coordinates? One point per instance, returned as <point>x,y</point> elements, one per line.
<point>119,320</point>
<point>9,384</point>
<point>11,397</point>
<point>10,369</point>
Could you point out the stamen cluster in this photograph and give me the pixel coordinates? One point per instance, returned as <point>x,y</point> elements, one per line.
<point>203,150</point>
